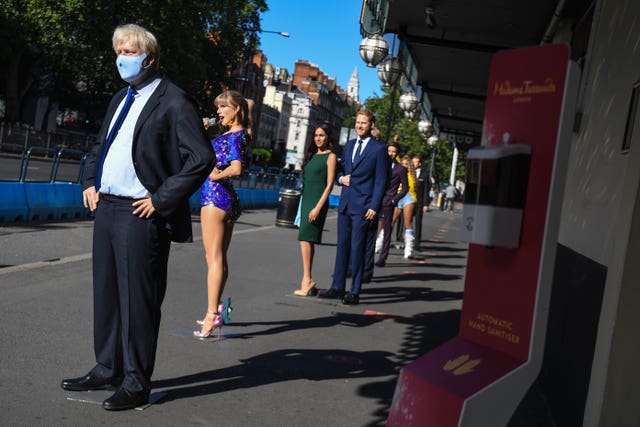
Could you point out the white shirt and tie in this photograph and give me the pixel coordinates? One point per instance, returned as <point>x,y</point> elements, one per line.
<point>119,177</point>
<point>360,146</point>
<point>358,150</point>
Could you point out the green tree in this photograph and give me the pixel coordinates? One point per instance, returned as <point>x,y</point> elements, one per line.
<point>390,120</point>
<point>66,46</point>
<point>34,35</point>
<point>349,117</point>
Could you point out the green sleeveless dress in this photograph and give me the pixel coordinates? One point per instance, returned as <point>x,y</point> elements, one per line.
<point>314,180</point>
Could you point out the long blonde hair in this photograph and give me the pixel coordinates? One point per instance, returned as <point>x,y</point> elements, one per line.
<point>244,115</point>
<point>410,169</point>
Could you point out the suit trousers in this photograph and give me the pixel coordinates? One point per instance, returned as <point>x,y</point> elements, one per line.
<point>370,250</point>
<point>369,254</point>
<point>130,257</point>
<point>386,217</point>
<point>417,228</point>
<point>352,238</point>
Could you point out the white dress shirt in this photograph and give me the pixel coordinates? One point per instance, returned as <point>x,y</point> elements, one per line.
<point>118,174</point>
<point>355,148</point>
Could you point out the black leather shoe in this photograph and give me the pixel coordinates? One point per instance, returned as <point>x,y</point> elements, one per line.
<point>380,263</point>
<point>90,382</point>
<point>331,294</point>
<point>351,299</point>
<point>124,399</point>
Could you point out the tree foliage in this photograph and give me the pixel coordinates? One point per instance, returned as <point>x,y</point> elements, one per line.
<point>391,121</point>
<point>62,48</point>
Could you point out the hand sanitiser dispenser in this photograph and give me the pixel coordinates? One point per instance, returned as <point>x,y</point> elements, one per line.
<point>495,194</point>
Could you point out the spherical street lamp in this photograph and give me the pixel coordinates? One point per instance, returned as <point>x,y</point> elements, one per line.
<point>389,71</point>
<point>408,102</point>
<point>412,115</point>
<point>432,140</point>
<point>373,49</point>
<point>424,127</point>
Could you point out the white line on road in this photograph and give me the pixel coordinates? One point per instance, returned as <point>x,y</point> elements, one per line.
<point>84,257</point>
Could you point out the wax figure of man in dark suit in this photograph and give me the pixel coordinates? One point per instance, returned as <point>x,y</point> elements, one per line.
<point>390,200</point>
<point>423,185</point>
<point>145,165</point>
<point>363,177</point>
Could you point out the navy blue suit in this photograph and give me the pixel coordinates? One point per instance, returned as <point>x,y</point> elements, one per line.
<point>368,181</point>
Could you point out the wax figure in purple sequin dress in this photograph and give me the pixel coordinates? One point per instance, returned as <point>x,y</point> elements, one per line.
<point>220,207</point>
<point>228,147</point>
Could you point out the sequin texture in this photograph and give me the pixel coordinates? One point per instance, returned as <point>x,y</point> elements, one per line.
<point>228,147</point>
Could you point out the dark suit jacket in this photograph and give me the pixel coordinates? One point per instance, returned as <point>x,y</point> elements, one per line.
<point>369,175</point>
<point>422,187</point>
<point>171,154</point>
<point>398,178</point>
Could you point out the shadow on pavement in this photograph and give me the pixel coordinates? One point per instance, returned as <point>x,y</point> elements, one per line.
<point>423,333</point>
<point>278,366</point>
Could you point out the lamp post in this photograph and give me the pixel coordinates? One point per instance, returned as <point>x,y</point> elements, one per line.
<point>282,33</point>
<point>432,141</point>
<point>389,72</point>
<point>249,60</point>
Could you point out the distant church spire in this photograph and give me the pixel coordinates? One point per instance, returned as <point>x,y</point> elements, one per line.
<point>353,87</point>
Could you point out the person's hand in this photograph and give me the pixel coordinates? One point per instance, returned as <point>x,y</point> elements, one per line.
<point>313,215</point>
<point>144,208</point>
<point>425,208</point>
<point>370,214</point>
<point>90,198</point>
<point>346,180</point>
<point>214,173</point>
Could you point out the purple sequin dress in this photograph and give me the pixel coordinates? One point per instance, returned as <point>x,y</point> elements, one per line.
<point>228,147</point>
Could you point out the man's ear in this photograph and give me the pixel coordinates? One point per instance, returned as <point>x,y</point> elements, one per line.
<point>148,61</point>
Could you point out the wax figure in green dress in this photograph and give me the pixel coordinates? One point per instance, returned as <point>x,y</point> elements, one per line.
<point>319,172</point>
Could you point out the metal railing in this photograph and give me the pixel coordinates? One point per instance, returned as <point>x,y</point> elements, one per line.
<point>70,149</point>
<point>14,135</point>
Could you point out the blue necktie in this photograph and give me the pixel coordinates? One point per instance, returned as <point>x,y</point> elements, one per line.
<point>112,134</point>
<point>358,150</point>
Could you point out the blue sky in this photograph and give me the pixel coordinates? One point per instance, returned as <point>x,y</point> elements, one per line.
<point>325,33</point>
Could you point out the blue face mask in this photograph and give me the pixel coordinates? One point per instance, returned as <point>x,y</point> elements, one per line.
<point>130,67</point>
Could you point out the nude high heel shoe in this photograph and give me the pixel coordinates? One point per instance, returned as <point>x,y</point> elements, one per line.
<point>310,291</point>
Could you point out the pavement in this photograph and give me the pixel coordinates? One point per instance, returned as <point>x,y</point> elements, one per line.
<point>284,360</point>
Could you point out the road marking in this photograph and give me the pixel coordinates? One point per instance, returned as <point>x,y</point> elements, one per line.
<point>84,257</point>
<point>41,264</point>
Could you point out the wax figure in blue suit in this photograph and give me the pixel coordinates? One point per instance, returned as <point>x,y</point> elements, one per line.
<point>149,158</point>
<point>363,178</point>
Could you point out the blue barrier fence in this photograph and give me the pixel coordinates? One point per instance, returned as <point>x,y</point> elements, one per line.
<point>39,201</point>
<point>51,197</point>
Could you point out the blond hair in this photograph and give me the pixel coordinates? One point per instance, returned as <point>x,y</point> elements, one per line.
<point>143,38</point>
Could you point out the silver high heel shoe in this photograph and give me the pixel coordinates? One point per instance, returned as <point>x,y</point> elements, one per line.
<point>215,331</point>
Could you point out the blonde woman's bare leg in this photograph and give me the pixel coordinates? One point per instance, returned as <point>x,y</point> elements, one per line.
<point>408,233</point>
<point>216,239</point>
<point>407,213</point>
